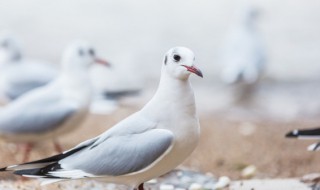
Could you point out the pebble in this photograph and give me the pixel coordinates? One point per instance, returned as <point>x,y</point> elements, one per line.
<point>311,178</point>
<point>166,187</point>
<point>195,186</point>
<point>249,172</point>
<point>152,181</point>
<point>188,179</point>
<point>223,182</point>
<point>247,129</point>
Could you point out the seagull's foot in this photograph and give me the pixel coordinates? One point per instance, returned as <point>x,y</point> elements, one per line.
<point>27,149</point>
<point>140,187</point>
<point>23,179</point>
<point>57,147</point>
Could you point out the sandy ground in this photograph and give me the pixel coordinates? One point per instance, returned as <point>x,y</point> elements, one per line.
<point>225,148</point>
<point>283,184</point>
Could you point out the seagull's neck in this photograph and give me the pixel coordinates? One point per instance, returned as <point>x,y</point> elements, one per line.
<point>76,85</point>
<point>75,78</point>
<point>173,94</point>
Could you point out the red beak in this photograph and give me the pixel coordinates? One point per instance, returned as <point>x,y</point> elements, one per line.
<point>194,70</point>
<point>103,62</point>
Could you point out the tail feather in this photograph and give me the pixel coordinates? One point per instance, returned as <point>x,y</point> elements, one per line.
<point>45,168</point>
<point>304,133</point>
<point>119,94</point>
<point>314,147</point>
<point>39,172</point>
<point>43,162</point>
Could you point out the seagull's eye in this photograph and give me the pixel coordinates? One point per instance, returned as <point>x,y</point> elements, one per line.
<point>176,58</point>
<point>81,53</point>
<point>91,52</point>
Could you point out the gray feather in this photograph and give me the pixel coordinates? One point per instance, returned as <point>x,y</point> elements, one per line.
<point>35,115</point>
<point>23,77</point>
<point>120,155</point>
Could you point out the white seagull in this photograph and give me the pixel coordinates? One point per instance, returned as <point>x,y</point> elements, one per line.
<point>313,133</point>
<point>147,144</point>
<point>54,109</point>
<point>19,75</point>
<point>243,57</point>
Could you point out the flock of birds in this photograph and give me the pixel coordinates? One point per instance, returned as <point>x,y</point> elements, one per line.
<point>44,103</point>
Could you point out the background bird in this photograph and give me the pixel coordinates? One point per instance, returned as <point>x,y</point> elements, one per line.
<point>18,74</point>
<point>243,55</point>
<point>56,108</point>
<point>313,133</point>
<point>145,145</point>
<point>108,92</point>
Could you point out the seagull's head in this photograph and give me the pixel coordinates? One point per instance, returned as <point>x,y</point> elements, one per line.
<point>179,63</point>
<point>80,55</point>
<point>9,48</point>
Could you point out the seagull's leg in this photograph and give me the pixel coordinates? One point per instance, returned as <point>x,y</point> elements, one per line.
<point>141,187</point>
<point>27,149</point>
<point>57,146</point>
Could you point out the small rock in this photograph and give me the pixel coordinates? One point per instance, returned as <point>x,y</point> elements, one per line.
<point>195,186</point>
<point>209,185</point>
<point>249,172</point>
<point>223,182</point>
<point>166,187</point>
<point>152,181</point>
<point>247,129</point>
<point>311,178</point>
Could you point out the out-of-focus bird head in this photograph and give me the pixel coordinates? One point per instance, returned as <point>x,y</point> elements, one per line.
<point>79,56</point>
<point>179,63</point>
<point>10,50</point>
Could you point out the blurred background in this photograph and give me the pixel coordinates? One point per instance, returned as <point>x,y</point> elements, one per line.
<point>134,36</point>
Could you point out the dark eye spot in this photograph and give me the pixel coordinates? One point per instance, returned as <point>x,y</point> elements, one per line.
<point>91,52</point>
<point>81,52</point>
<point>165,60</point>
<point>176,58</point>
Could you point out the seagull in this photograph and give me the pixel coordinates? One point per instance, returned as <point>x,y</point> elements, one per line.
<point>244,55</point>
<point>107,96</point>
<point>54,109</point>
<point>19,75</point>
<point>313,133</point>
<point>145,145</point>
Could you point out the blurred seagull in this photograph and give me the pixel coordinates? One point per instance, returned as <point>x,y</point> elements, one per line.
<point>56,108</point>
<point>19,75</point>
<point>106,98</point>
<point>147,144</point>
<point>306,134</point>
<point>244,56</point>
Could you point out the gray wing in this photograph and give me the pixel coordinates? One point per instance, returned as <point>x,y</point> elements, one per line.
<point>38,115</point>
<point>120,155</point>
<point>25,77</point>
<point>17,88</point>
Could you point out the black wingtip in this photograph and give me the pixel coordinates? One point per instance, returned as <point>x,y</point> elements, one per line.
<point>3,169</point>
<point>26,172</point>
<point>312,133</point>
<point>115,95</point>
<point>292,134</point>
<point>314,147</point>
